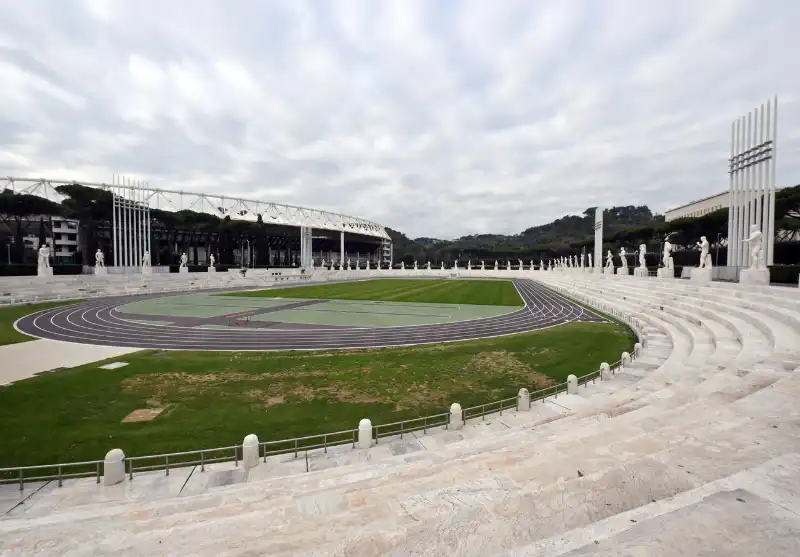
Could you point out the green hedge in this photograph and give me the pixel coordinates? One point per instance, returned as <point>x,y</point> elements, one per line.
<point>31,270</point>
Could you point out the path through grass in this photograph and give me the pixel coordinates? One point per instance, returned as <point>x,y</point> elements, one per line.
<point>478,292</point>
<point>216,398</point>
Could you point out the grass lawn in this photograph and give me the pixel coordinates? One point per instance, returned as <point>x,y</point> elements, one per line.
<point>8,334</point>
<point>216,398</point>
<point>477,292</point>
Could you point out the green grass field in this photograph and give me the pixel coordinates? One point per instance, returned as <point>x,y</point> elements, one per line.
<point>477,292</point>
<point>8,334</point>
<point>216,398</point>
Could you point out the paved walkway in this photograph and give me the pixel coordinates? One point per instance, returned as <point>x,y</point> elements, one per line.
<point>26,359</point>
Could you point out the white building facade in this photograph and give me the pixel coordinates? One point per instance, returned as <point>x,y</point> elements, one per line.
<point>698,208</point>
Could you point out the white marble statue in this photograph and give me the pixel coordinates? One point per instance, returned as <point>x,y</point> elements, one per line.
<point>402,266</point>
<point>623,257</point>
<point>705,257</point>
<point>508,265</point>
<point>184,259</point>
<point>483,265</point>
<point>469,264</point>
<point>755,241</point>
<point>312,265</point>
<point>609,260</point>
<point>455,264</point>
<point>415,265</point>
<point>146,259</point>
<point>642,253</point>
<point>429,265</point>
<point>44,257</point>
<point>667,257</point>
<point>348,263</point>
<point>521,265</point>
<point>541,265</point>
<point>495,265</point>
<point>99,259</point>
<point>213,260</point>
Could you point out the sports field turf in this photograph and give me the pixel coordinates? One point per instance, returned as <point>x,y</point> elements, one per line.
<point>212,399</point>
<point>477,292</point>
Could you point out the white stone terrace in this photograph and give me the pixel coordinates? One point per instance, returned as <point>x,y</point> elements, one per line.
<point>693,449</point>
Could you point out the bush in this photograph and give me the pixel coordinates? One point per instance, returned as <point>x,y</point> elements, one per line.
<point>31,270</point>
<point>784,274</point>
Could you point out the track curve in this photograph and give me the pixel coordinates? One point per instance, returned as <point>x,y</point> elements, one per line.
<point>99,322</point>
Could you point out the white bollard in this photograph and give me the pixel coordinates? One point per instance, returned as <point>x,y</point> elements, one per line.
<point>456,416</point>
<point>625,359</point>
<point>637,349</point>
<point>523,399</point>
<point>364,434</point>
<point>605,372</point>
<point>250,452</point>
<point>114,467</point>
<point>572,385</point>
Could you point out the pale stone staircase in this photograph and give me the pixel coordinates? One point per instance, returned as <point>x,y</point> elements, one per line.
<point>693,449</point>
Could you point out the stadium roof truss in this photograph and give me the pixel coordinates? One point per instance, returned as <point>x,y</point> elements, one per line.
<point>220,205</point>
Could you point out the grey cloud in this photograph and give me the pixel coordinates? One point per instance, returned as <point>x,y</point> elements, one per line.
<point>437,119</point>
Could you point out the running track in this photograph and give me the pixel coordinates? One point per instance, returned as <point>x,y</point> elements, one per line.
<point>99,322</point>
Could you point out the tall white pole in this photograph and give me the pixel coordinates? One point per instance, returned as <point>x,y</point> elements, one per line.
<point>729,237</point>
<point>733,242</point>
<point>740,195</point>
<point>341,248</point>
<point>149,235</point>
<point>748,182</point>
<point>114,218</point>
<point>771,192</point>
<point>128,223</point>
<point>759,205</point>
<point>138,259</point>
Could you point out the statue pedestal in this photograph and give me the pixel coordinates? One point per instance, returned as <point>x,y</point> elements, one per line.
<point>183,269</point>
<point>640,272</point>
<point>754,276</point>
<point>100,271</point>
<point>147,270</point>
<point>45,272</point>
<point>598,270</point>
<point>624,271</point>
<point>700,274</point>
<point>608,270</point>
<point>664,273</point>
<point>212,269</point>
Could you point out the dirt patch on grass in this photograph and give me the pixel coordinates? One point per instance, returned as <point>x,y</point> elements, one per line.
<point>504,364</point>
<point>142,415</point>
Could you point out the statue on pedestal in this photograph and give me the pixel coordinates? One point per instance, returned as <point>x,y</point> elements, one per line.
<point>521,265</point>
<point>469,264</point>
<point>609,260</point>
<point>590,260</point>
<point>483,265</point>
<point>541,265</point>
<point>429,265</point>
<point>508,265</point>
<point>442,266</point>
<point>145,259</point>
<point>623,255</point>
<point>184,259</point>
<point>666,258</point>
<point>44,257</point>
<point>642,253</point>
<point>212,261</point>
<point>415,265</point>
<point>705,257</point>
<point>348,263</point>
<point>312,265</point>
<point>495,265</point>
<point>402,266</point>
<point>756,240</point>
<point>455,264</point>
<point>99,259</point>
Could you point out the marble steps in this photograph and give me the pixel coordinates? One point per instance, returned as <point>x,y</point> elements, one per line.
<point>458,496</point>
<point>562,451</point>
<point>665,534</point>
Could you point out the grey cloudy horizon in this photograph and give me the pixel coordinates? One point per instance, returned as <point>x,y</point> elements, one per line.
<point>438,119</point>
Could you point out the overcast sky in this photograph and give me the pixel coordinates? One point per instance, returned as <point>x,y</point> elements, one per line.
<point>437,118</point>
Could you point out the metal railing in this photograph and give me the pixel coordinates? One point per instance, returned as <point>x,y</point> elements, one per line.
<point>297,445</point>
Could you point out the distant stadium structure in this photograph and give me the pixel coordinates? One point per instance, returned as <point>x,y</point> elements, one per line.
<point>135,218</point>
